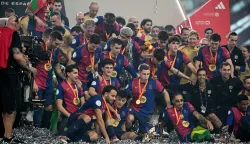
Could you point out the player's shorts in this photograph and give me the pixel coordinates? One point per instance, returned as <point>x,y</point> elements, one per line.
<point>46,94</point>
<point>119,132</point>
<point>10,92</point>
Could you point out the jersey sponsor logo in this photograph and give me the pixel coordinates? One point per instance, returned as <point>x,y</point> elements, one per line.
<point>57,91</point>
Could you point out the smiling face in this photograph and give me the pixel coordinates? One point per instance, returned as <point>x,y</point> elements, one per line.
<point>178,102</point>
<point>111,96</point>
<point>192,40</point>
<point>202,76</point>
<point>73,76</point>
<point>108,69</point>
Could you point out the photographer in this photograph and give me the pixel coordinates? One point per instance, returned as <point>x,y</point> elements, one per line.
<point>43,80</point>
<point>11,61</point>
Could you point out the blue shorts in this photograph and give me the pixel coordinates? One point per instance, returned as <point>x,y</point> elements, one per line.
<point>119,132</point>
<point>46,94</point>
<point>187,137</point>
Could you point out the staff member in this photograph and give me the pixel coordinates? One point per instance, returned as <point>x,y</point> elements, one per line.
<point>227,89</point>
<point>235,53</point>
<point>11,61</point>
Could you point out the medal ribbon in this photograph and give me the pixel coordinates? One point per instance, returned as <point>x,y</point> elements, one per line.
<point>173,61</point>
<point>110,82</point>
<point>46,48</point>
<point>107,36</point>
<point>92,60</point>
<point>75,91</point>
<point>142,91</point>
<point>112,58</point>
<point>123,50</point>
<point>109,113</point>
<point>178,118</point>
<point>153,70</point>
<point>214,59</point>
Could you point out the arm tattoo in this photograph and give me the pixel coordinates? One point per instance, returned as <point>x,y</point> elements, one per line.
<point>200,118</point>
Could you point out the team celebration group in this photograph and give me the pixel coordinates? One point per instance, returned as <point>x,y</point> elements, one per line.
<point>109,77</point>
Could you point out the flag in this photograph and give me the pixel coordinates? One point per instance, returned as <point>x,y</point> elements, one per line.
<point>36,5</point>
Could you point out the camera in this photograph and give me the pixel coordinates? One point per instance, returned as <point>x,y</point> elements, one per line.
<point>34,49</point>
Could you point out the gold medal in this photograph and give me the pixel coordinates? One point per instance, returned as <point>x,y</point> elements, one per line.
<point>89,68</point>
<point>115,123</point>
<point>114,74</point>
<point>47,66</point>
<point>212,67</point>
<point>185,123</point>
<point>76,101</point>
<point>143,99</point>
<point>138,102</point>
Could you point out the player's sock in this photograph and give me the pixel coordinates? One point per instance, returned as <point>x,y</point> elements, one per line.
<point>110,131</point>
<point>46,119</point>
<point>79,124</point>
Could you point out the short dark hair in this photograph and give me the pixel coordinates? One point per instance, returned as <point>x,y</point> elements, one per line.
<point>56,35</point>
<point>70,68</point>
<point>173,39</point>
<point>246,77</point>
<point>60,29</point>
<point>56,14</point>
<point>176,94</point>
<point>47,32</point>
<point>95,38</point>
<point>132,26</point>
<point>241,97</point>
<point>225,64</point>
<point>232,34</point>
<point>144,21</point>
<point>215,37</point>
<point>184,28</point>
<point>159,54</point>
<point>109,18</point>
<point>121,20</point>
<point>207,29</point>
<point>201,69</point>
<point>58,1</point>
<point>122,94</point>
<point>77,29</point>
<point>108,89</point>
<point>156,27</point>
<point>107,62</point>
<point>143,66</point>
<point>163,35</point>
<point>247,47</point>
<point>169,27</point>
<point>114,41</point>
<point>9,10</point>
